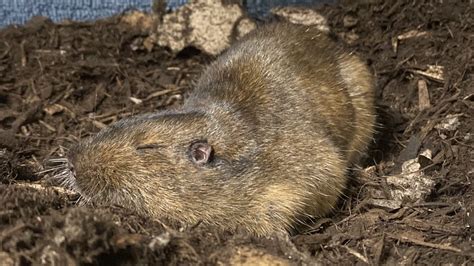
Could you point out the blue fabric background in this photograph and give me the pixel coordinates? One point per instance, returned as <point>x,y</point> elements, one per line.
<point>20,11</point>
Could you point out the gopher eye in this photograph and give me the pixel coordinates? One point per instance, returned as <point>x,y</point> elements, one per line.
<point>148,146</point>
<point>200,152</point>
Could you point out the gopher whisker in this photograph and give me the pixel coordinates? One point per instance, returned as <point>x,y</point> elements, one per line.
<point>51,169</point>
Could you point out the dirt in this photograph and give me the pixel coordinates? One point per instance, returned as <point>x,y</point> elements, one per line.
<point>62,82</point>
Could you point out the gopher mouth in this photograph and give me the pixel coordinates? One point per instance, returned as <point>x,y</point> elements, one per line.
<point>62,173</point>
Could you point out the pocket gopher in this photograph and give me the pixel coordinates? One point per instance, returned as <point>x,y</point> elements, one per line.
<point>263,142</point>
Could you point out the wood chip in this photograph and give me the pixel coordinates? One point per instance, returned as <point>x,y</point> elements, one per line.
<point>411,149</point>
<point>357,254</point>
<point>469,97</point>
<point>394,44</point>
<point>379,250</point>
<point>430,226</point>
<point>159,93</point>
<point>42,187</point>
<point>47,126</point>
<point>92,100</point>
<point>412,34</point>
<point>386,204</point>
<point>51,52</point>
<point>419,242</point>
<point>54,109</point>
<point>135,100</point>
<point>423,95</point>
<point>99,124</point>
<point>349,21</point>
<point>405,36</point>
<point>450,122</point>
<point>172,68</point>
<point>24,58</point>
<point>433,72</point>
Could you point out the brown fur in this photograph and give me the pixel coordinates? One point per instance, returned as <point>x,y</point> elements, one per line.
<point>286,112</point>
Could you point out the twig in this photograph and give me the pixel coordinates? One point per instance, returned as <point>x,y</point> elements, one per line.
<point>425,244</point>
<point>41,187</point>
<point>423,95</point>
<point>357,254</point>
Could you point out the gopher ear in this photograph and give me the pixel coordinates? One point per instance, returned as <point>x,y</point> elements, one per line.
<point>200,152</point>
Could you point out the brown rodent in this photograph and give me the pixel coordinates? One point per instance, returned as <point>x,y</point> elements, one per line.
<point>263,141</point>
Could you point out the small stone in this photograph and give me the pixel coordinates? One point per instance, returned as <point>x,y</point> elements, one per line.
<point>301,15</point>
<point>205,24</point>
